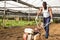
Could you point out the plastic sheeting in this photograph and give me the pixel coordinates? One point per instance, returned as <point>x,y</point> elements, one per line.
<point>11,5</point>
<point>38,3</point>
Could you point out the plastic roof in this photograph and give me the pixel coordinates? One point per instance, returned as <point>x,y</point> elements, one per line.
<point>11,5</point>
<point>15,6</point>
<point>38,3</point>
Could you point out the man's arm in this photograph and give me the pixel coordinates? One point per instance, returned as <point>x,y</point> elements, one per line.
<point>50,11</point>
<point>39,11</point>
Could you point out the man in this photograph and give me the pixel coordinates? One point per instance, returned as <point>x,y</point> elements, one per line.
<point>47,17</point>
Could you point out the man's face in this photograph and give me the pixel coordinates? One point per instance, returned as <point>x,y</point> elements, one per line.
<point>44,5</point>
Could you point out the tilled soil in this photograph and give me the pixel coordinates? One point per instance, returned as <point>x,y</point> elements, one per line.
<point>15,33</point>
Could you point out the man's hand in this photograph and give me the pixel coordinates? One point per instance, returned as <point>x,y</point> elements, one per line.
<point>36,18</point>
<point>51,20</point>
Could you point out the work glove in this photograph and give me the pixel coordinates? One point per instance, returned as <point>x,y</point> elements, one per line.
<point>51,20</point>
<point>36,18</point>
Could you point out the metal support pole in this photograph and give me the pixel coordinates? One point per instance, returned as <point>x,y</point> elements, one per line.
<point>29,14</point>
<point>17,0</point>
<point>4,13</point>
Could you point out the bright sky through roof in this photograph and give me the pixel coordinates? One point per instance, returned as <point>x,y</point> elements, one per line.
<point>38,3</point>
<point>12,4</point>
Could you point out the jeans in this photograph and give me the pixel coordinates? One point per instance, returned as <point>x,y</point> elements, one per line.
<point>46,20</point>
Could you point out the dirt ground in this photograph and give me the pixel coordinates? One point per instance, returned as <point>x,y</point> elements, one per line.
<point>15,33</point>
